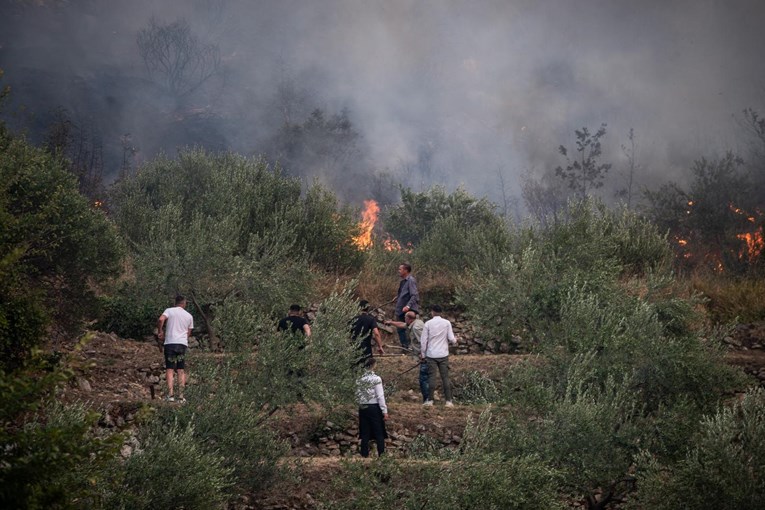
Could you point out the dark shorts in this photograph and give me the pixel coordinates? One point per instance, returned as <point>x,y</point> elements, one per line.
<point>175,356</point>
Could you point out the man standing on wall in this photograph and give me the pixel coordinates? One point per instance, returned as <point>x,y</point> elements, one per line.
<point>176,342</point>
<point>436,337</point>
<point>407,299</point>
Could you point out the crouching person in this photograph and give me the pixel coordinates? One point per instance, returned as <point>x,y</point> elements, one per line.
<point>372,409</point>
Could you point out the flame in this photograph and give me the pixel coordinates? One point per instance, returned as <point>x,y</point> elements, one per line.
<point>98,203</point>
<point>369,218</point>
<point>391,244</point>
<point>682,242</point>
<point>754,244</point>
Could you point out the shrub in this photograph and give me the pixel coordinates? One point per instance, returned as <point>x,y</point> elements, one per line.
<point>173,470</point>
<point>230,229</point>
<point>418,213</point>
<point>49,257</point>
<point>518,483</point>
<point>50,456</point>
<point>477,388</point>
<point>723,468</point>
<point>225,421</point>
<point>453,245</point>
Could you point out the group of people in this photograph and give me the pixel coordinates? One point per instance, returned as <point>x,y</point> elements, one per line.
<point>429,341</point>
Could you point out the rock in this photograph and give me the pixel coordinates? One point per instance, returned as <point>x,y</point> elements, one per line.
<point>153,379</point>
<point>193,343</point>
<point>126,451</point>
<point>83,384</point>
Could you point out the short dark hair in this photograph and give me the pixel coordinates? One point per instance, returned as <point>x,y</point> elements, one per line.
<point>364,305</point>
<point>436,308</point>
<point>407,266</point>
<point>370,362</point>
<point>179,299</point>
<point>295,308</point>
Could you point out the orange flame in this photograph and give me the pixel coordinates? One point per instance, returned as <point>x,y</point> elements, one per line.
<point>754,244</point>
<point>369,217</point>
<point>391,244</point>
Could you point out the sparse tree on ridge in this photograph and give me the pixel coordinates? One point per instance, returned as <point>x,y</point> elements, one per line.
<point>176,57</point>
<point>586,173</point>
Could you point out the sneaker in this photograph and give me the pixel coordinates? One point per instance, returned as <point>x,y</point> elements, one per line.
<point>449,403</point>
<point>428,403</point>
<point>181,400</point>
<point>170,399</point>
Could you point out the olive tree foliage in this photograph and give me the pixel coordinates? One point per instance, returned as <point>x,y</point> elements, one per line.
<point>53,246</point>
<point>623,367</point>
<point>322,369</point>
<point>722,468</point>
<point>175,57</point>
<point>229,232</point>
<point>417,214</point>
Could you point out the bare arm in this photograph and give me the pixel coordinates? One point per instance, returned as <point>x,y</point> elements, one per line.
<point>398,324</point>
<point>160,326</point>
<point>378,340</point>
<point>307,330</point>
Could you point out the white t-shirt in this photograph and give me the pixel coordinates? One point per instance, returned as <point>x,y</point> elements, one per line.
<point>436,337</point>
<point>177,325</point>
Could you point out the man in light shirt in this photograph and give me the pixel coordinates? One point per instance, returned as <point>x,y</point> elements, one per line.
<point>436,337</point>
<point>413,326</point>
<point>372,409</point>
<point>176,334</point>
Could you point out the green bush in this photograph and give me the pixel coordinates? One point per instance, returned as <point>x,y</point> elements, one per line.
<point>477,388</point>
<point>518,483</point>
<point>173,470</point>
<point>724,466</point>
<point>230,228</point>
<point>418,213</point>
<point>453,245</point>
<point>50,456</point>
<point>225,421</point>
<point>54,247</point>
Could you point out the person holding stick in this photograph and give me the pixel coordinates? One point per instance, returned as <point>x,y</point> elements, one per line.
<point>407,299</point>
<point>413,326</point>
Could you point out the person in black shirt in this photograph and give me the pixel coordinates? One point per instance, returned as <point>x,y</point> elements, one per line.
<point>295,322</point>
<point>363,329</point>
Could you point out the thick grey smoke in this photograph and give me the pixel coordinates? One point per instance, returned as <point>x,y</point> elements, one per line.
<point>452,92</point>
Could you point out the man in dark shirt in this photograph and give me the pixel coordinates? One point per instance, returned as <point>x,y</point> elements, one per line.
<point>295,322</point>
<point>363,328</point>
<point>407,299</point>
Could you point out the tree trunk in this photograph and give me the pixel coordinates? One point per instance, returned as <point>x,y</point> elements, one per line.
<point>214,341</point>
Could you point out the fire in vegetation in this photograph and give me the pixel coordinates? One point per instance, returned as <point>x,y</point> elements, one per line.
<point>365,239</point>
<point>753,239</point>
<point>369,218</point>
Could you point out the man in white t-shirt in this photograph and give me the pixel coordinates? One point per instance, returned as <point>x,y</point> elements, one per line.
<point>176,334</point>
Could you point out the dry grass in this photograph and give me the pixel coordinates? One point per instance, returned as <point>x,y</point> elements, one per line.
<point>731,298</point>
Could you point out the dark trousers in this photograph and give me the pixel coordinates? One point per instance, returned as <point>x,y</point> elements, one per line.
<point>442,365</point>
<point>402,336</point>
<point>371,424</point>
<point>424,380</point>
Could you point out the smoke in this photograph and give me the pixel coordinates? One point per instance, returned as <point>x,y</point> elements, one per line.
<point>451,92</point>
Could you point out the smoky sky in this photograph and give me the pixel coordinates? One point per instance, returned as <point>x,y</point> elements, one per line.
<point>482,88</point>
